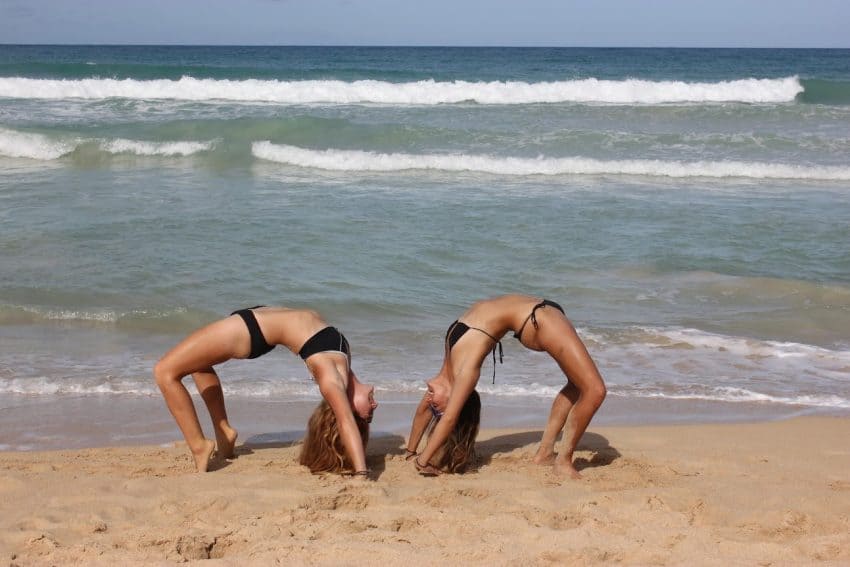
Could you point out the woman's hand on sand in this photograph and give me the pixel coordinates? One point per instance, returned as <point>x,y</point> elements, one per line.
<point>426,469</point>
<point>363,475</point>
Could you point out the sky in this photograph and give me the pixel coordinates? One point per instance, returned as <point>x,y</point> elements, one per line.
<point>588,23</point>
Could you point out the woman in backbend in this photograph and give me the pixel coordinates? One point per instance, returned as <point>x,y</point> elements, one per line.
<point>451,405</point>
<point>343,415</point>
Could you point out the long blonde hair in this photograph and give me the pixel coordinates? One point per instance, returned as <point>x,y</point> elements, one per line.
<point>323,450</point>
<point>458,452</point>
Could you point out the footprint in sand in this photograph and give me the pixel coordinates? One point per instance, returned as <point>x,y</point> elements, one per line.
<point>557,521</point>
<point>404,524</point>
<point>43,544</point>
<point>344,500</point>
<point>565,520</point>
<point>696,512</point>
<point>792,523</point>
<point>195,547</point>
<point>656,504</point>
<point>476,493</point>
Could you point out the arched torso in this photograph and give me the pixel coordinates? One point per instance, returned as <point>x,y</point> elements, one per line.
<point>292,328</point>
<point>287,327</point>
<point>489,321</point>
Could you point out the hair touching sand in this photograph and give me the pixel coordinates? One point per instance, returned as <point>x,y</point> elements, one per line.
<point>457,455</point>
<point>323,450</point>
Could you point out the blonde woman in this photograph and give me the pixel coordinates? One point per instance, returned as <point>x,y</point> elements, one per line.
<point>450,406</point>
<point>250,333</point>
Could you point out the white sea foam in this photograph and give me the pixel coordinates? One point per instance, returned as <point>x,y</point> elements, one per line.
<point>16,144</point>
<point>353,160</point>
<point>745,347</point>
<point>639,362</point>
<point>629,91</point>
<point>82,385</point>
<point>32,146</point>
<point>716,394</point>
<point>94,315</point>
<point>729,394</point>
<point>307,391</point>
<point>121,146</point>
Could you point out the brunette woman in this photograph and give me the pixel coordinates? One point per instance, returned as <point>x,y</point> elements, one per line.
<point>451,405</point>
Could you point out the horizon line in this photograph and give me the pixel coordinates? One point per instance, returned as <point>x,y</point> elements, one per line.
<point>418,46</point>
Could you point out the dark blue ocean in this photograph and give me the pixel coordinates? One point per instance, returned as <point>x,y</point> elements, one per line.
<point>690,209</point>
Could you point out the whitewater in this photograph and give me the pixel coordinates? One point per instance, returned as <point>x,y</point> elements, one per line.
<point>428,92</point>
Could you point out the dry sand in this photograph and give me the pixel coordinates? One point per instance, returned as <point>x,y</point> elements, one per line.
<point>754,494</point>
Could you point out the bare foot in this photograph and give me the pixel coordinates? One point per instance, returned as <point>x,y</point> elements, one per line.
<point>226,441</point>
<point>203,455</point>
<point>543,458</point>
<point>565,468</point>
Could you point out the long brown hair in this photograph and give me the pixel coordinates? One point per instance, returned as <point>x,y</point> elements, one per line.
<point>458,452</point>
<point>323,450</point>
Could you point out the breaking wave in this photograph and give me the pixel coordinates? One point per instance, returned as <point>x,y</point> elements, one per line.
<point>627,91</point>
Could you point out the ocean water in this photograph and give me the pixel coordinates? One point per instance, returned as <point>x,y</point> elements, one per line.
<point>690,209</point>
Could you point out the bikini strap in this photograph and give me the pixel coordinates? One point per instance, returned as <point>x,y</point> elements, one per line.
<point>446,346</point>
<point>498,344</point>
<point>501,361</point>
<point>532,317</point>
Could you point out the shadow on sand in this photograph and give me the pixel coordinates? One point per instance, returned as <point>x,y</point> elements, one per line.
<point>261,441</point>
<point>603,453</point>
<point>383,445</point>
<point>380,446</point>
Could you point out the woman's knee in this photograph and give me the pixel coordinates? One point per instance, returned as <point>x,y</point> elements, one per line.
<point>598,393</point>
<point>164,374</point>
<point>595,393</point>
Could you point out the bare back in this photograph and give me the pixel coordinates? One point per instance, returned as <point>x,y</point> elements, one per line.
<point>288,327</point>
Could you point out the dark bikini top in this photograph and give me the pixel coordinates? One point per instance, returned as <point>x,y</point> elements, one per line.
<point>458,329</point>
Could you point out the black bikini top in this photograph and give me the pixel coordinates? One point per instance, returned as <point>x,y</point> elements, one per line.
<point>456,331</point>
<point>498,344</point>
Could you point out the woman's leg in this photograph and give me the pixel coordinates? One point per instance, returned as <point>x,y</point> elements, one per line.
<point>198,352</point>
<point>209,387</point>
<point>179,403</point>
<point>564,401</point>
<point>558,337</point>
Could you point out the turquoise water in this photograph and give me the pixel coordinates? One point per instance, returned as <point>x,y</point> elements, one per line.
<point>689,209</point>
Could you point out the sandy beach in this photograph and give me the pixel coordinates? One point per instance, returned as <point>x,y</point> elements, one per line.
<point>775,493</point>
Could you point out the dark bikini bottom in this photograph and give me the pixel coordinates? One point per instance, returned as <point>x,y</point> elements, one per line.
<point>533,317</point>
<point>259,345</point>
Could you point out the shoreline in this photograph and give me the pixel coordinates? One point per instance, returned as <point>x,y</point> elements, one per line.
<point>764,493</point>
<point>43,423</point>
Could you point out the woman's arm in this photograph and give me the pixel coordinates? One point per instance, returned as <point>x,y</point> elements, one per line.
<point>332,387</point>
<point>421,419</point>
<point>463,387</point>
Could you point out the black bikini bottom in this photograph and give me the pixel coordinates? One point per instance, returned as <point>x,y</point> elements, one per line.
<point>259,346</point>
<point>533,318</point>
